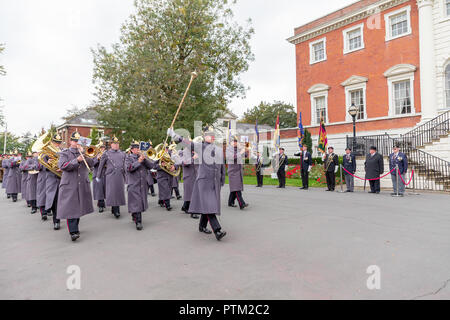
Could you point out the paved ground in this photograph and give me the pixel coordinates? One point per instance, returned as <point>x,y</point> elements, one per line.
<point>288,245</point>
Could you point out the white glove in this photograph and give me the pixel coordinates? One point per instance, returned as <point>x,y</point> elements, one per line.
<point>98,179</point>
<point>154,170</point>
<point>170,132</point>
<point>309,170</point>
<point>336,170</point>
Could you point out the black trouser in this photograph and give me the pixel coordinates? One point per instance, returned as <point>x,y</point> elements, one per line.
<point>236,195</point>
<point>42,210</point>
<point>212,219</point>
<point>375,186</point>
<point>305,178</point>
<point>33,204</point>
<point>166,203</point>
<point>152,189</point>
<point>331,180</point>
<point>177,191</point>
<point>101,203</point>
<point>72,225</point>
<point>282,178</point>
<point>186,205</point>
<point>259,179</point>
<point>54,208</point>
<point>14,196</point>
<point>137,217</point>
<point>115,210</point>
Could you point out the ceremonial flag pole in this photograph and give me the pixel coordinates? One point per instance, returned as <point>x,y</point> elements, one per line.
<point>323,140</point>
<point>301,135</point>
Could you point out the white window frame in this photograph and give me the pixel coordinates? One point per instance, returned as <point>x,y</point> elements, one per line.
<point>311,50</point>
<point>445,86</point>
<point>446,14</point>
<point>387,20</point>
<point>313,106</point>
<point>395,79</point>
<point>346,44</point>
<point>348,99</point>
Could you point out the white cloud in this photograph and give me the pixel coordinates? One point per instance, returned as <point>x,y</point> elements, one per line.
<point>49,62</point>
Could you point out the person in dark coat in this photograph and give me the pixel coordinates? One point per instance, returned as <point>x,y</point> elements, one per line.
<point>24,181</point>
<point>165,182</point>
<point>75,196</point>
<point>306,163</point>
<point>282,161</point>
<point>14,179</point>
<point>41,190</point>
<point>114,161</point>
<point>349,164</point>
<point>236,175</point>
<point>209,182</point>
<point>190,167</point>
<point>331,166</point>
<point>137,166</point>
<point>32,167</point>
<point>99,185</point>
<point>151,178</point>
<point>399,159</point>
<point>374,166</point>
<point>52,187</point>
<point>259,169</point>
<point>5,166</point>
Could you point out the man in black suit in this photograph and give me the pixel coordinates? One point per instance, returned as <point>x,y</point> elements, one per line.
<point>374,169</point>
<point>331,164</point>
<point>350,167</point>
<point>306,163</point>
<point>281,173</point>
<point>259,169</point>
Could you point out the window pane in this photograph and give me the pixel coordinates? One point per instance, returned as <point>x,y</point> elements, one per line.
<point>447,85</point>
<point>399,24</point>
<point>319,52</point>
<point>357,98</point>
<point>354,39</point>
<point>402,97</point>
<point>448,7</point>
<point>321,111</point>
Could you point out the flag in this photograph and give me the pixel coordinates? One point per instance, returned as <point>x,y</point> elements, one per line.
<point>323,140</point>
<point>301,131</point>
<point>229,132</point>
<point>276,138</point>
<point>257,133</point>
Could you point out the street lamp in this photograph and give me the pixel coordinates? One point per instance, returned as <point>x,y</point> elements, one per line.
<point>353,111</point>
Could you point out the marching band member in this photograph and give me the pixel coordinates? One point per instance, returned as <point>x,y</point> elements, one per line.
<point>5,166</point>
<point>175,180</point>
<point>24,181</point>
<point>306,163</point>
<point>150,178</point>
<point>165,181</point>
<point>190,169</point>
<point>41,190</point>
<point>27,168</point>
<point>99,185</point>
<point>114,161</point>
<point>374,166</point>
<point>331,165</point>
<point>14,179</point>
<point>349,164</point>
<point>236,175</point>
<point>52,187</point>
<point>259,169</point>
<point>281,172</point>
<point>75,197</point>
<point>137,166</point>
<point>31,166</point>
<point>209,182</point>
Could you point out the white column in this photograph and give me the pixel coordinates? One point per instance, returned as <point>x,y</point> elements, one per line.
<point>427,60</point>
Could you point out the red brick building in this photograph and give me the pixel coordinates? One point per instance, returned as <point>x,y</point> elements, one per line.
<point>366,54</point>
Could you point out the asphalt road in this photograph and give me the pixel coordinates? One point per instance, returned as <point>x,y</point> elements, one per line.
<point>289,244</point>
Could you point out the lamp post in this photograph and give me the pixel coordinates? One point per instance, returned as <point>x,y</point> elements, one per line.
<point>353,111</point>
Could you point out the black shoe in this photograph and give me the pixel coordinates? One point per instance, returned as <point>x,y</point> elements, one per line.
<point>153,194</point>
<point>44,217</point>
<point>139,226</point>
<point>8,196</point>
<point>28,205</point>
<point>205,230</point>
<point>244,206</point>
<point>194,216</point>
<point>302,188</point>
<point>75,236</point>
<point>232,205</point>
<point>220,235</point>
<point>117,215</point>
<point>169,208</point>
<point>33,211</point>
<point>101,209</point>
<point>14,199</point>
<point>49,213</point>
<point>56,226</point>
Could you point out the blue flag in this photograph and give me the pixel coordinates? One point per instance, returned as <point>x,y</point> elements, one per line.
<point>301,131</point>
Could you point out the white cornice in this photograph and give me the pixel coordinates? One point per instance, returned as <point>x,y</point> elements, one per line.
<point>354,80</point>
<point>319,88</point>
<point>345,20</point>
<point>400,69</point>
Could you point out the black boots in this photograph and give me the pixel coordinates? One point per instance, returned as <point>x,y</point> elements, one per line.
<point>75,236</point>
<point>56,226</point>
<point>204,230</point>
<point>195,216</point>
<point>116,212</point>
<point>220,235</point>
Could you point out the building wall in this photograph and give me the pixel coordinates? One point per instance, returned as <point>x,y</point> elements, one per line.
<point>441,24</point>
<point>371,62</point>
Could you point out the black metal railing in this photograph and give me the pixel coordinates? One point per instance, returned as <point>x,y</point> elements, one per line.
<point>361,146</point>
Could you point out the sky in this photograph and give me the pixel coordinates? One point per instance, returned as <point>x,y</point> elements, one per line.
<point>49,62</point>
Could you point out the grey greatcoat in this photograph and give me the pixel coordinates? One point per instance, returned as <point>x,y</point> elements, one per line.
<point>31,165</point>
<point>75,196</point>
<point>210,178</point>
<point>164,183</point>
<point>14,179</point>
<point>150,180</point>
<point>24,182</point>
<point>41,189</point>
<point>98,186</point>
<point>114,161</point>
<point>190,169</point>
<point>235,169</point>
<point>5,166</point>
<point>374,166</point>
<point>137,183</point>
<point>51,188</point>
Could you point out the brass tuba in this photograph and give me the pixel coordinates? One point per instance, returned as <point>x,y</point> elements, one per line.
<point>159,154</point>
<point>47,149</point>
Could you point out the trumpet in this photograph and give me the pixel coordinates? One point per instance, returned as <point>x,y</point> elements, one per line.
<point>94,151</point>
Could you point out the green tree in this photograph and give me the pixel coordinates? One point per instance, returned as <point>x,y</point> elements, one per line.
<point>308,141</point>
<point>94,136</point>
<point>266,113</point>
<point>140,82</point>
